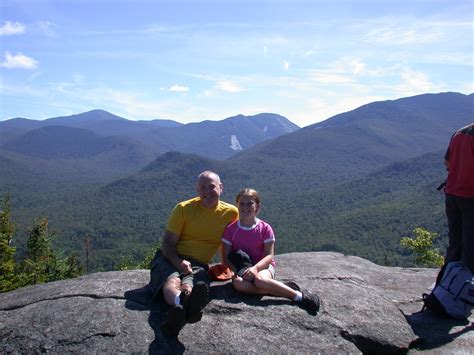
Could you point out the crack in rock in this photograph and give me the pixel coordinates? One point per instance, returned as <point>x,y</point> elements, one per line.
<point>369,346</point>
<point>217,309</point>
<point>60,297</point>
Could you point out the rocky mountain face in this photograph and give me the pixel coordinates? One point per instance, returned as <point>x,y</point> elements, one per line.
<point>215,139</point>
<point>365,308</point>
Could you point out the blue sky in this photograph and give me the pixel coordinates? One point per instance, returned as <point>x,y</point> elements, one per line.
<point>195,60</point>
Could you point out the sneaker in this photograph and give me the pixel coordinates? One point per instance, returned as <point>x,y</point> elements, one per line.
<point>197,301</point>
<point>310,303</point>
<point>175,321</point>
<point>293,285</point>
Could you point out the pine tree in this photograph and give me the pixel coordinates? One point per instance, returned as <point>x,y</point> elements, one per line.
<point>7,251</point>
<point>40,259</point>
<point>42,264</point>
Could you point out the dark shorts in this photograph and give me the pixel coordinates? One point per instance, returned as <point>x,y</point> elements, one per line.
<point>162,270</point>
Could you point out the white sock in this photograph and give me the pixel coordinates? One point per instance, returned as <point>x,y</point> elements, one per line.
<point>177,300</point>
<point>298,297</point>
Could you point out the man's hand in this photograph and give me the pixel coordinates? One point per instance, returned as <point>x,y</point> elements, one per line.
<point>168,248</point>
<point>185,267</point>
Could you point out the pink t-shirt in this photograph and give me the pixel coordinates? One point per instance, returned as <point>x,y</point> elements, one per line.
<point>249,239</point>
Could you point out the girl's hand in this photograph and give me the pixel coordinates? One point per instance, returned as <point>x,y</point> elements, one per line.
<point>250,274</point>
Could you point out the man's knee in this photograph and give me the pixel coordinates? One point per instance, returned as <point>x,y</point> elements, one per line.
<point>172,283</point>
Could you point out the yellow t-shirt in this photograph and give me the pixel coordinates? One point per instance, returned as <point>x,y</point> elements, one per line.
<point>200,229</point>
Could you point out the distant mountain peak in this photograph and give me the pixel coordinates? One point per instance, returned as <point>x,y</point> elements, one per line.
<point>89,116</point>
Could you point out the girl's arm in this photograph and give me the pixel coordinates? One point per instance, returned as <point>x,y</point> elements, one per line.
<point>267,259</point>
<point>268,250</point>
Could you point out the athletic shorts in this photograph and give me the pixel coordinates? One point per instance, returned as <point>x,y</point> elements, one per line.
<point>162,270</point>
<point>272,270</point>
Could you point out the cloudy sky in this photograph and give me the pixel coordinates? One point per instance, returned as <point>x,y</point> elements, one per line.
<point>192,60</point>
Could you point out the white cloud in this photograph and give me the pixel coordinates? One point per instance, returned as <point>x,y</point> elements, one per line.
<point>12,28</point>
<point>47,28</point>
<point>357,67</point>
<point>228,86</point>
<point>405,32</point>
<point>414,82</point>
<point>18,61</point>
<point>327,105</point>
<point>178,88</point>
<point>20,89</point>
<point>286,65</point>
<point>401,37</point>
<point>328,77</point>
<point>468,88</point>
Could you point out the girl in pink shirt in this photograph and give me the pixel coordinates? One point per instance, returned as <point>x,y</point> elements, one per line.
<point>256,238</point>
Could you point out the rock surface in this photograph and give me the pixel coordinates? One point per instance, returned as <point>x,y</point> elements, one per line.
<point>366,308</point>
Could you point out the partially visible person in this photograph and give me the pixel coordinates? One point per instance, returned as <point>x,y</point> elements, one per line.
<point>252,241</point>
<point>192,237</point>
<point>459,197</point>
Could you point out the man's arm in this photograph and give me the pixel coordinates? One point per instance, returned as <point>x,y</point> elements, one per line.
<point>168,248</point>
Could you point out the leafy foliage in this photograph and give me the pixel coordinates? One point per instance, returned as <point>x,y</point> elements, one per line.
<point>422,246</point>
<point>128,264</point>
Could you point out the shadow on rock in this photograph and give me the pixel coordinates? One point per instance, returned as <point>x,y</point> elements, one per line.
<point>141,299</point>
<point>435,331</point>
<point>225,291</point>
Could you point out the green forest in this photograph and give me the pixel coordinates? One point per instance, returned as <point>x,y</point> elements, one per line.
<point>367,217</point>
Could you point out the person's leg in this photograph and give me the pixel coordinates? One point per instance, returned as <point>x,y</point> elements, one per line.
<point>195,296</point>
<point>165,278</point>
<point>453,214</point>
<point>266,284</point>
<point>244,286</point>
<point>171,290</point>
<point>467,212</point>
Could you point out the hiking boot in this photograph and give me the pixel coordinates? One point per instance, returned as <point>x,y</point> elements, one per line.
<point>293,285</point>
<point>175,321</point>
<point>310,303</point>
<point>197,301</point>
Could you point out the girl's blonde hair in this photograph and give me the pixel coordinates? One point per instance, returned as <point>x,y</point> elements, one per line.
<point>248,192</point>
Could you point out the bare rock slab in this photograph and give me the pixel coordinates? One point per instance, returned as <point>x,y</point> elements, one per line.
<point>365,308</point>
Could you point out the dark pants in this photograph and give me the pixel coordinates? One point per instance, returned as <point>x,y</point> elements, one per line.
<point>460,214</point>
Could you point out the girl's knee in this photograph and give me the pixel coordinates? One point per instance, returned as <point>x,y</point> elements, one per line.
<point>260,282</point>
<point>237,283</point>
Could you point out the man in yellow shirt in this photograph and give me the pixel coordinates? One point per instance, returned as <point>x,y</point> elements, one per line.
<point>191,239</point>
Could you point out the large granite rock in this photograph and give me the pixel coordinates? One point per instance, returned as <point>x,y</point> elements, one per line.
<point>365,308</point>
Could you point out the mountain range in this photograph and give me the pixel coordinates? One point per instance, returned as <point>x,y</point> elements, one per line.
<point>356,183</point>
<point>92,133</point>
